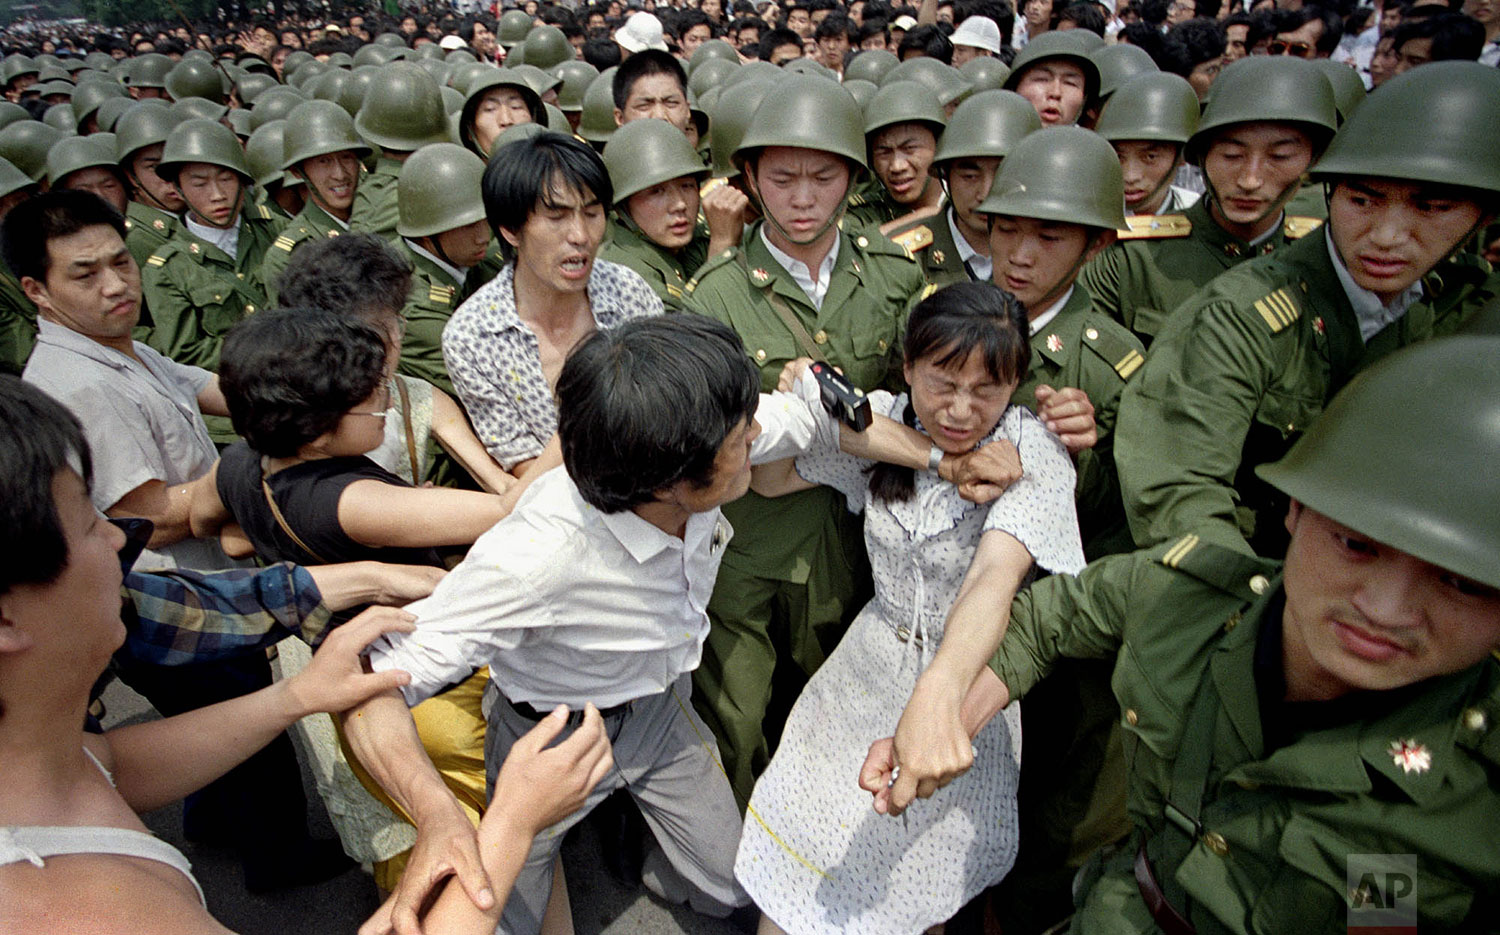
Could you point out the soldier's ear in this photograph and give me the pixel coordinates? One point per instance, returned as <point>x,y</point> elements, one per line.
<point>1101,241</point>
<point>1293,513</point>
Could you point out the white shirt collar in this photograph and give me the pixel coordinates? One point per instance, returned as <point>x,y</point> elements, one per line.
<point>225,238</point>
<point>981,266</point>
<point>458,274</point>
<point>1371,313</point>
<point>1044,319</point>
<point>1271,231</point>
<point>801,273</point>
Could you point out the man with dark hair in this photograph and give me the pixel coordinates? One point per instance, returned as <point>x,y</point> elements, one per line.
<point>1083,15</point>
<point>873,34</point>
<point>651,84</point>
<point>799,20</point>
<point>744,33</point>
<point>925,41</point>
<point>780,46</point>
<point>832,37</point>
<point>691,29</point>
<point>1236,36</point>
<point>1443,37</point>
<point>1312,32</point>
<point>1194,49</point>
<point>1001,12</point>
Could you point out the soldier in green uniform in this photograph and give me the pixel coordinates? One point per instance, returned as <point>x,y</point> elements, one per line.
<point>1055,73</point>
<point>1149,122</point>
<point>203,279</point>
<point>275,190</point>
<point>17,312</point>
<point>903,123</point>
<point>321,148</point>
<point>795,572</point>
<point>497,99</point>
<point>1287,723</point>
<point>444,233</point>
<point>1249,362</point>
<point>87,163</point>
<point>953,243</point>
<point>402,112</point>
<point>153,213</point>
<point>1267,122</point>
<point>654,227</point>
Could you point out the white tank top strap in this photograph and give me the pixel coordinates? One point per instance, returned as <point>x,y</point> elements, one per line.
<point>33,844</point>
<point>107,774</point>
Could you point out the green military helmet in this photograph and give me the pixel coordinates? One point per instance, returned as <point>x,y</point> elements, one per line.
<point>26,144</point>
<point>110,112</point>
<point>403,110</point>
<point>862,91</point>
<point>710,51</point>
<point>16,66</point>
<point>46,89</point>
<point>698,114</point>
<point>1118,64</point>
<point>987,126</point>
<point>493,79</point>
<point>255,65</point>
<point>82,152</point>
<point>516,56</point>
<point>1268,88</point>
<point>440,70</point>
<point>264,152</point>
<point>947,82</point>
<point>101,61</point>
<point>463,74</point>
<point>1056,45</point>
<point>10,112</point>
<point>199,107</point>
<point>644,153</point>
<point>428,51</point>
<point>809,66</point>
<point>731,115</point>
<point>512,28</point>
<point>340,60</point>
<point>1087,39</point>
<point>1432,495</point>
<point>53,73</point>
<point>902,102</point>
<point>194,77</point>
<point>340,87</point>
<point>1348,89</point>
<point>712,73</point>
<point>253,85</point>
<point>1435,126</point>
<point>707,99</point>
<point>88,96</point>
<point>453,102</point>
<point>460,57</point>
<point>546,46</point>
<point>318,128</point>
<point>309,73</point>
<point>575,76</point>
<point>870,65</point>
<point>597,121</point>
<point>1064,174</point>
<point>438,190</point>
<point>206,141</point>
<point>756,71</point>
<point>541,81</point>
<point>239,121</point>
<point>808,113</point>
<point>985,73</point>
<point>46,59</point>
<point>141,126</point>
<point>391,40</point>
<point>60,117</point>
<point>201,55</point>
<point>520,131</point>
<point>13,179</point>
<point>293,61</point>
<point>1157,106</point>
<point>372,55</point>
<point>555,119</point>
<point>274,104</point>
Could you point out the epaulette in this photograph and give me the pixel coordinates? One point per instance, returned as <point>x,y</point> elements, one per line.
<point>284,243</point>
<point>1298,226</point>
<point>673,291</point>
<point>918,238</point>
<point>882,245</point>
<point>713,263</point>
<point>1109,340</point>
<point>1155,227</point>
<point>265,213</point>
<point>156,259</point>
<point>439,293</point>
<point>1279,309</point>
<point>1230,570</point>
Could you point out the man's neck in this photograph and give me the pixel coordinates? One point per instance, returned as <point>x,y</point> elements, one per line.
<point>125,344</point>
<point>812,254</point>
<point>978,241</point>
<point>338,214</point>
<point>539,304</point>
<point>932,197</point>
<point>668,517</point>
<point>1246,232</point>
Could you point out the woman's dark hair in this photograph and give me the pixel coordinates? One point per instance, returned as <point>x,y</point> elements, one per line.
<point>532,169</point>
<point>38,438</point>
<point>649,403</point>
<point>949,325</point>
<point>356,274</point>
<point>290,375</point>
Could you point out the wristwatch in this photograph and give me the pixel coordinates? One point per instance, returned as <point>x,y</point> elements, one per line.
<point>934,459</point>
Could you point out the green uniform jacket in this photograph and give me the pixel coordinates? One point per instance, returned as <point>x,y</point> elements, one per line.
<point>1140,282</point>
<point>278,213</point>
<point>665,272</point>
<point>147,230</point>
<point>930,240</point>
<point>1240,371</point>
<point>870,205</point>
<point>433,299</point>
<point>17,324</point>
<point>859,327</point>
<point>375,210</point>
<point>197,291</point>
<point>311,223</point>
<point>1276,826</point>
<point>1084,349</point>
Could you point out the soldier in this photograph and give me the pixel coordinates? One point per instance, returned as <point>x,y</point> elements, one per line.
<point>497,99</point>
<point>86,163</point>
<point>402,112</point>
<point>277,192</point>
<point>321,149</point>
<point>653,229</point>
<point>1268,121</point>
<point>17,313</point>
<point>153,213</point>
<point>903,123</point>
<point>443,234</point>
<point>1056,76</point>
<point>1250,361</point>
<point>1149,122</point>
<point>795,572</point>
<point>953,244</point>
<point>1287,723</point>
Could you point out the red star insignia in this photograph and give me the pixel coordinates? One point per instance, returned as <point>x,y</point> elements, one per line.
<point>760,275</point>
<point>1411,756</point>
<point>193,248</point>
<point>1318,325</point>
<point>158,224</point>
<point>1054,343</point>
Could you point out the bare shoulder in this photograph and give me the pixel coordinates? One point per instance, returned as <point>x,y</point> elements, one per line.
<point>90,893</point>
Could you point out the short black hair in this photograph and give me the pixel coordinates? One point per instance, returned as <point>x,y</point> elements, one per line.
<point>616,385</point>
<point>531,169</point>
<point>356,274</point>
<point>1084,15</point>
<point>926,40</point>
<point>290,375</point>
<point>1333,25</point>
<point>1189,44</point>
<point>775,39</point>
<point>38,438</point>
<point>688,18</point>
<point>31,225</point>
<point>1454,36</point>
<point>1145,36</point>
<point>601,53</point>
<point>834,25</point>
<point>642,64</point>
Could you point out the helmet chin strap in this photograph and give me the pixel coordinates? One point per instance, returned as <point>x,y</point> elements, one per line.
<point>1166,180</point>
<point>833,219</point>
<point>1067,279</point>
<point>135,183</point>
<point>1277,204</point>
<point>234,216</point>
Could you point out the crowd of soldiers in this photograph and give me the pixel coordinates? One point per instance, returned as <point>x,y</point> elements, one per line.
<point>1210,246</point>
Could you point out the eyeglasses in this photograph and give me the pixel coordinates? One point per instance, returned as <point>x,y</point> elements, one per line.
<point>1282,47</point>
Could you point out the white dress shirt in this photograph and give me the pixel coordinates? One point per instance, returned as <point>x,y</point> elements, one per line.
<point>1044,319</point>
<point>981,267</point>
<point>225,238</point>
<point>1371,313</point>
<point>802,275</point>
<point>568,605</point>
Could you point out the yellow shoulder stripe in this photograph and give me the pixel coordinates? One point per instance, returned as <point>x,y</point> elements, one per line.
<point>284,243</point>
<point>1155,227</point>
<point>1278,309</point>
<point>443,294</point>
<point>156,259</point>
<point>1297,226</point>
<point>915,239</point>
<point>1129,364</point>
<point>1174,556</point>
<point>265,213</point>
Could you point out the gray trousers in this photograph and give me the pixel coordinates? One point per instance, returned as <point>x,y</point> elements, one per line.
<point>666,757</point>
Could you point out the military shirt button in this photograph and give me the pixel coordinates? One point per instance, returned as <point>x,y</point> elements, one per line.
<point>1215,842</point>
<point>863,241</point>
<point>760,355</point>
<point>880,344</point>
<point>218,298</point>
<point>1092,334</point>
<point>1232,622</point>
<point>1131,717</point>
<point>1474,719</point>
<point>821,337</point>
<point>249,310</point>
<point>1259,583</point>
<point>1248,785</point>
<point>241,275</point>
<point>1304,287</point>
